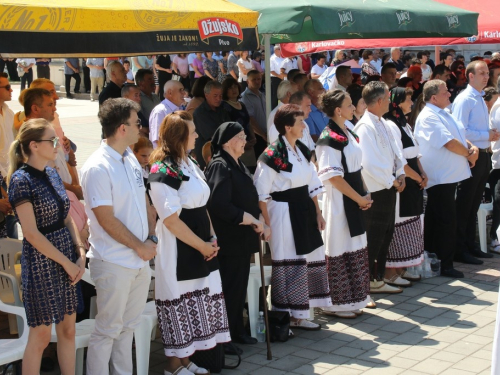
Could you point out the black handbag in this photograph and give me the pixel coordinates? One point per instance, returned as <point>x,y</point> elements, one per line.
<point>214,359</point>
<point>279,325</point>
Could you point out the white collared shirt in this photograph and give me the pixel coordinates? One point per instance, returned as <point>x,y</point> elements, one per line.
<point>434,128</point>
<point>6,137</point>
<point>495,124</point>
<point>111,179</point>
<point>157,115</point>
<point>306,137</point>
<point>275,63</point>
<point>382,158</point>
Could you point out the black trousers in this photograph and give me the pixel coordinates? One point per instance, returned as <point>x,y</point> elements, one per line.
<point>440,223</point>
<point>26,79</point>
<point>275,82</point>
<point>43,71</point>
<point>86,78</point>
<point>469,195</point>
<point>12,69</point>
<point>78,80</point>
<point>379,221</point>
<point>495,192</point>
<point>234,273</point>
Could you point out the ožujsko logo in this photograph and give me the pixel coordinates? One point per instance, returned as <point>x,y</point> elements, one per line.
<point>213,27</point>
<point>403,17</point>
<point>346,19</point>
<point>453,22</point>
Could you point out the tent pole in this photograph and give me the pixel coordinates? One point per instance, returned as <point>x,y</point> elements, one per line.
<point>267,49</point>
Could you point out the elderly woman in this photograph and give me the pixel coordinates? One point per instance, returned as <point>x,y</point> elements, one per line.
<point>234,209</point>
<point>288,188</point>
<point>339,164</point>
<point>189,298</point>
<point>407,246</point>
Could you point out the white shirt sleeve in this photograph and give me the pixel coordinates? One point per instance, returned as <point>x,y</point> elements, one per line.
<point>165,199</point>
<point>263,181</point>
<point>97,188</point>
<point>329,163</point>
<point>434,131</point>
<point>315,185</point>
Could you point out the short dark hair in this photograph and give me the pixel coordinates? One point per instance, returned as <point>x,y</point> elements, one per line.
<point>34,96</point>
<point>406,58</point>
<point>439,70</point>
<point>126,88</point>
<point>298,77</point>
<point>115,112</point>
<point>296,98</point>
<point>387,66</point>
<point>366,54</point>
<point>444,56</point>
<point>343,70</point>
<point>356,93</point>
<point>140,74</point>
<point>285,116</point>
<point>211,85</point>
<point>253,72</point>
<point>291,74</point>
<point>471,68</point>
<point>331,100</point>
<point>199,86</point>
<point>373,91</point>
<point>320,56</point>
<point>420,54</point>
<point>227,84</point>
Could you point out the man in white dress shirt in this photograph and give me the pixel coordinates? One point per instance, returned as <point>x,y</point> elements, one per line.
<point>285,90</point>
<point>276,75</point>
<point>383,173</point>
<point>121,242</point>
<point>446,155</point>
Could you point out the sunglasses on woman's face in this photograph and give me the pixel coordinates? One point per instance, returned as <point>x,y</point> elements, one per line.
<point>55,141</point>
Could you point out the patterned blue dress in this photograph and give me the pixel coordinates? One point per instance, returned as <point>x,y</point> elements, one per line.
<point>47,291</point>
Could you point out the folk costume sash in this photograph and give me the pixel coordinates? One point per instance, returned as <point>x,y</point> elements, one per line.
<point>301,208</point>
<point>333,136</point>
<point>191,263</point>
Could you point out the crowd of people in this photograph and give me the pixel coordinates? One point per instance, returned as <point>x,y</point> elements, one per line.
<point>192,175</point>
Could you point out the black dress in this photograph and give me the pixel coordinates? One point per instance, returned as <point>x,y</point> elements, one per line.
<point>164,62</point>
<point>232,193</point>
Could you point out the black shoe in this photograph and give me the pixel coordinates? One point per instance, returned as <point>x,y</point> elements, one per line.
<point>69,96</point>
<point>231,349</point>
<point>245,340</point>
<point>451,272</point>
<point>480,254</point>
<point>468,259</point>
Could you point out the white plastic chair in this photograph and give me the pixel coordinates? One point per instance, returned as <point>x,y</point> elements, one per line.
<point>144,332</point>
<point>485,209</point>
<point>10,253</point>
<point>12,350</point>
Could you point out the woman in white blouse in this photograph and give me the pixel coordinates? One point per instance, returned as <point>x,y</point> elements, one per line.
<point>244,66</point>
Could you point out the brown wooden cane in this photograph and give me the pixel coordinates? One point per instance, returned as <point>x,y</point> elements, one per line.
<point>263,283</point>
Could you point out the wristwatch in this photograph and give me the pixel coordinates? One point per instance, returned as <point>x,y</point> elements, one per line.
<point>153,238</point>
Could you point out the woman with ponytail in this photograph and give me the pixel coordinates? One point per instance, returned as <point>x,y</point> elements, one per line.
<point>53,256</point>
<point>189,299</point>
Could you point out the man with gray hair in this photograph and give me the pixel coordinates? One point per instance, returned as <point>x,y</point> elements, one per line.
<point>133,92</point>
<point>174,97</point>
<point>285,90</point>
<point>117,76</point>
<point>208,117</point>
<point>383,173</point>
<point>446,156</point>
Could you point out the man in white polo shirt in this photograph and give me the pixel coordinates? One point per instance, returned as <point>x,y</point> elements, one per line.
<point>121,242</point>
<point>276,75</point>
<point>446,155</point>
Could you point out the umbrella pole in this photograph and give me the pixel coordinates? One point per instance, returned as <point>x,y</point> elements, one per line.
<point>267,62</point>
<point>263,283</point>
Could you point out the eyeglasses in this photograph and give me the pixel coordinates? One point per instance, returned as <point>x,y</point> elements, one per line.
<point>243,137</point>
<point>55,141</point>
<point>138,123</point>
<point>6,87</point>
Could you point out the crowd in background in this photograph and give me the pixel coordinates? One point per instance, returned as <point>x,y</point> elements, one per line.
<point>193,174</point>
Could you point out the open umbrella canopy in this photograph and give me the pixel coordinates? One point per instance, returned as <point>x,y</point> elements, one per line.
<point>78,28</point>
<point>488,33</point>
<point>306,20</point>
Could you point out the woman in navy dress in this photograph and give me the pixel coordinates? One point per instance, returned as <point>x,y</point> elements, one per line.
<point>51,269</point>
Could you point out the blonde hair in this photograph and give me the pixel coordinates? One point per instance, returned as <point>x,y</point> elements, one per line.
<point>31,130</point>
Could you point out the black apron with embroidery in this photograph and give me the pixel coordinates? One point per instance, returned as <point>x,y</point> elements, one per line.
<point>353,213</point>
<point>306,234</point>
<point>411,200</point>
<point>191,264</point>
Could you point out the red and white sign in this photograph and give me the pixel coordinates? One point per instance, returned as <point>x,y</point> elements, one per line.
<point>213,27</point>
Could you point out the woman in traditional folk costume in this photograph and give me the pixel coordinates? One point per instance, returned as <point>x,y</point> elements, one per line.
<point>189,299</point>
<point>339,168</point>
<point>407,246</point>
<point>288,188</point>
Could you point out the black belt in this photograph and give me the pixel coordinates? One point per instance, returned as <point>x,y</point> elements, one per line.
<point>302,210</point>
<point>485,150</point>
<point>52,228</point>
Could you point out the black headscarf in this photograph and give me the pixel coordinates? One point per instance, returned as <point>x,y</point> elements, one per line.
<point>395,113</point>
<point>223,134</point>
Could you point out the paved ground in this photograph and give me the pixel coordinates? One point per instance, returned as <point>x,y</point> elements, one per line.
<point>438,326</point>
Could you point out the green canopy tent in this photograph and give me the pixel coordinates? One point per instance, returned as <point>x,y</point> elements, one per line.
<point>306,20</point>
